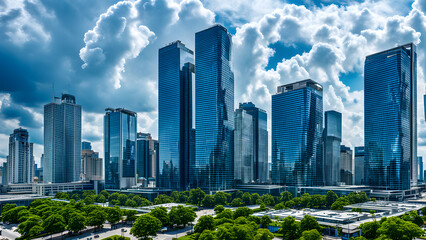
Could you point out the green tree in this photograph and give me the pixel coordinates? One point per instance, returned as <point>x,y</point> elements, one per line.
<point>268,200</point>
<point>105,194</point>
<point>12,215</point>
<point>227,213</point>
<point>161,214</point>
<point>208,201</point>
<point>54,223</point>
<point>101,198</point>
<point>122,198</point>
<point>286,196</point>
<point>330,198</point>
<point>290,228</point>
<point>265,220</point>
<point>254,198</point>
<point>242,212</point>
<point>207,235</point>
<point>96,218</point>
<point>162,198</point>
<point>236,202</point>
<point>311,235</point>
<point>130,215</point>
<point>246,198</point>
<point>290,204</point>
<point>196,196</point>
<point>238,194</point>
<point>8,206</point>
<point>131,203</point>
<point>88,200</point>
<point>25,227</point>
<point>369,229</point>
<point>145,226</point>
<point>396,228</point>
<point>309,223</point>
<point>181,215</point>
<point>37,229</point>
<point>220,198</point>
<point>263,234</point>
<point>204,223</point>
<point>113,196</point>
<point>76,222</point>
<point>76,197</point>
<point>113,215</point>
<point>218,209</point>
<point>62,195</point>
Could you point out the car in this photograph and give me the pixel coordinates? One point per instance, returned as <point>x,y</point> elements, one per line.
<point>96,236</point>
<point>124,230</point>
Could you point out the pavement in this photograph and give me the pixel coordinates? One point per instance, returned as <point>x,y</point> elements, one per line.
<point>8,231</point>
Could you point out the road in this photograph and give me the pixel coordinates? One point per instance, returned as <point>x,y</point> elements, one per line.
<point>8,231</point>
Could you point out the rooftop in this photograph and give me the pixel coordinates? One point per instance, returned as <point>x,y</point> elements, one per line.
<point>299,85</point>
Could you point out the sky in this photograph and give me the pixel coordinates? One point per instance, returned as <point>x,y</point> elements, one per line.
<point>105,52</point>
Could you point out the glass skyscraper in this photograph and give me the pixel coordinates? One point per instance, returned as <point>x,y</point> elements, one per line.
<point>250,144</point>
<point>146,157</point>
<point>175,114</point>
<point>120,148</point>
<point>332,140</point>
<point>420,172</point>
<point>20,161</point>
<point>346,165</point>
<point>390,116</point>
<point>214,110</point>
<point>359,166</point>
<point>62,140</point>
<point>297,126</point>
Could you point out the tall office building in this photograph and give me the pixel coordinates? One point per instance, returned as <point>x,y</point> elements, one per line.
<point>359,166</point>
<point>20,161</point>
<point>91,166</point>
<point>146,156</point>
<point>62,140</point>
<point>346,165</point>
<point>214,110</point>
<point>175,114</point>
<point>120,148</point>
<point>86,146</point>
<point>4,177</point>
<point>297,120</point>
<point>420,170</point>
<point>390,115</point>
<point>250,144</point>
<point>332,140</point>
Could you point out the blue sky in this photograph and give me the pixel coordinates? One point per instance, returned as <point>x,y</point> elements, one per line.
<point>105,53</point>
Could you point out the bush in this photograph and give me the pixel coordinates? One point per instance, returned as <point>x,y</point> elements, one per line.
<point>116,237</point>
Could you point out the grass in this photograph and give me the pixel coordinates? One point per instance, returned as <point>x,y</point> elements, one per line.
<point>116,237</point>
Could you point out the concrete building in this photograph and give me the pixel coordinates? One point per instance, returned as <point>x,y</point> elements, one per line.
<point>91,166</point>
<point>346,165</point>
<point>359,166</point>
<point>20,161</point>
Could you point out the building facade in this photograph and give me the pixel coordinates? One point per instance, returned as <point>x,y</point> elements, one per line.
<point>62,140</point>
<point>420,170</point>
<point>86,146</point>
<point>346,165</point>
<point>390,115</point>
<point>359,178</point>
<point>175,114</point>
<point>250,144</point>
<point>91,166</point>
<point>213,166</point>
<point>297,120</point>
<point>146,157</point>
<point>120,148</point>
<point>332,140</point>
<point>20,161</point>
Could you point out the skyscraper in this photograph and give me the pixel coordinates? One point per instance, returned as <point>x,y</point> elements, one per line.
<point>420,170</point>
<point>250,144</point>
<point>390,105</point>
<point>297,120</point>
<point>175,114</point>
<point>359,166</point>
<point>346,165</point>
<point>62,140</point>
<point>20,161</point>
<point>86,146</point>
<point>120,148</point>
<point>214,110</point>
<point>332,140</point>
<point>91,166</point>
<point>146,156</point>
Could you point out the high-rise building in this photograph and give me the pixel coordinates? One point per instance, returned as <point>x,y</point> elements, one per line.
<point>390,115</point>
<point>120,148</point>
<point>214,111</point>
<point>420,170</point>
<point>4,178</point>
<point>20,161</point>
<point>62,140</point>
<point>86,146</point>
<point>175,114</point>
<point>250,144</point>
<point>146,156</point>
<point>332,140</point>
<point>346,165</point>
<point>91,166</point>
<point>297,120</point>
<point>359,166</point>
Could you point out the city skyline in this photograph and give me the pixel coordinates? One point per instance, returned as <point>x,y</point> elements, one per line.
<point>22,107</point>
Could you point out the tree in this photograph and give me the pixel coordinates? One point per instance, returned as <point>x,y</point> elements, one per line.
<point>54,223</point>
<point>101,198</point>
<point>131,203</point>
<point>290,228</point>
<point>218,209</point>
<point>122,198</point>
<point>162,198</point>
<point>113,215</point>
<point>242,212</point>
<point>220,198</point>
<point>62,195</point>
<point>265,220</point>
<point>254,198</point>
<point>105,194</point>
<point>12,215</point>
<point>24,228</point>
<point>330,198</point>
<point>75,196</point>
<point>396,228</point>
<point>268,200</point>
<point>263,234</point>
<point>196,196</point>
<point>96,218</point>
<point>207,235</point>
<point>237,202</point>
<point>9,206</point>
<point>208,201</point>
<point>286,196</point>
<point>161,214</point>
<point>37,229</point>
<point>309,223</point>
<point>145,226</point>
<point>89,200</point>
<point>246,198</point>
<point>227,213</point>
<point>113,196</point>
<point>130,215</point>
<point>76,222</point>
<point>204,223</point>
<point>311,235</point>
<point>181,215</point>
<point>369,229</point>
